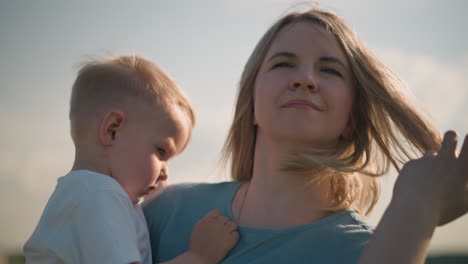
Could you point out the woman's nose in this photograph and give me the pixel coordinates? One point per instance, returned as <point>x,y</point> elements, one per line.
<point>304,80</point>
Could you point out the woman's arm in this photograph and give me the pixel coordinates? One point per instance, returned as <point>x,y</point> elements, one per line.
<point>429,192</point>
<point>402,236</point>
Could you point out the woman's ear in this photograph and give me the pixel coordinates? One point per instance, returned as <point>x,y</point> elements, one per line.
<point>110,126</point>
<point>254,119</point>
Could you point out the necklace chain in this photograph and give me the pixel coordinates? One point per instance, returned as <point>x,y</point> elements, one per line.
<point>242,204</point>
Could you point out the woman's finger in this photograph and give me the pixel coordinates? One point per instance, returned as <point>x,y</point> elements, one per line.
<point>463,158</point>
<point>449,145</point>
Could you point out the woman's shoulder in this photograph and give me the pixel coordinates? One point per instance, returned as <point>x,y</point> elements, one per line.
<point>345,230</point>
<point>348,224</point>
<point>200,189</point>
<point>351,231</point>
<point>355,221</point>
<point>193,192</point>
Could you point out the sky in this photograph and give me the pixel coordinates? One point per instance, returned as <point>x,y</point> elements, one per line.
<point>203,45</point>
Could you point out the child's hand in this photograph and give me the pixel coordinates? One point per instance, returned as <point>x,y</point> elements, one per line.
<point>437,184</point>
<point>213,237</point>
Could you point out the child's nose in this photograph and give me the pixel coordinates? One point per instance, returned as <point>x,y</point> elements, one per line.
<point>164,173</point>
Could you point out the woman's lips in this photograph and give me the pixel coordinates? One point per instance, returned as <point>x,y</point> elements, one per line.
<point>301,103</point>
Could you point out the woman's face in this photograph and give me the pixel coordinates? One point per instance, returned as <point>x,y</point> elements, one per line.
<point>303,91</point>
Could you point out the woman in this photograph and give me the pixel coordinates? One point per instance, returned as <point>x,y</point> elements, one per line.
<point>317,118</point>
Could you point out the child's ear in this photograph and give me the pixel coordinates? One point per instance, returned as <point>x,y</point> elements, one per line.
<point>110,126</point>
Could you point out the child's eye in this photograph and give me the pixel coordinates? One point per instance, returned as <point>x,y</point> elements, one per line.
<point>332,71</point>
<point>161,152</point>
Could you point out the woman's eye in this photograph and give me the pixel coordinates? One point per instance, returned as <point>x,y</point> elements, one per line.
<point>332,71</point>
<point>282,64</point>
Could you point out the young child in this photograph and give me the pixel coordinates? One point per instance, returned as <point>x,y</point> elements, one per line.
<point>128,120</point>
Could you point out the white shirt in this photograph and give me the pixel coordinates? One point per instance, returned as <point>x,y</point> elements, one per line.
<point>89,219</point>
<point>143,236</point>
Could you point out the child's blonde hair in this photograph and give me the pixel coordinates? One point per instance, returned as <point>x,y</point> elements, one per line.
<point>118,81</point>
<point>385,128</point>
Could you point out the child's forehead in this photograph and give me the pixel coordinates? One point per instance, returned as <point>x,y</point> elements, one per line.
<point>177,118</point>
<point>170,121</point>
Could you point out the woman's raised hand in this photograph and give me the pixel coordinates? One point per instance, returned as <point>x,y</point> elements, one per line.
<point>437,184</point>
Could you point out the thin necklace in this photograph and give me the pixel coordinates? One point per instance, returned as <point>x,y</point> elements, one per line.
<point>242,203</point>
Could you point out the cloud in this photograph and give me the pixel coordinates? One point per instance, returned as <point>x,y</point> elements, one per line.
<point>439,86</point>
<point>34,153</point>
<point>34,150</point>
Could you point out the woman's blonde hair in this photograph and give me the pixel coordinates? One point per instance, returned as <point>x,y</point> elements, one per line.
<point>385,129</point>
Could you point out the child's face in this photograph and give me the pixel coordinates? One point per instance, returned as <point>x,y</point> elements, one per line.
<point>303,91</point>
<point>142,149</point>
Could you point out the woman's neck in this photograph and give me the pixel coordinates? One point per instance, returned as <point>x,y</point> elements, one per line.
<point>274,198</point>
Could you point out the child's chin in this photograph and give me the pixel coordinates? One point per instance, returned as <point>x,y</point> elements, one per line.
<point>151,190</point>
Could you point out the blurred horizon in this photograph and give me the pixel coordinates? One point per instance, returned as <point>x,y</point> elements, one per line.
<point>203,45</point>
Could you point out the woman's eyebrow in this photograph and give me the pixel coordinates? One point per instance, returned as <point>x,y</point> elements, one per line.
<point>333,60</point>
<point>293,55</point>
<point>282,54</point>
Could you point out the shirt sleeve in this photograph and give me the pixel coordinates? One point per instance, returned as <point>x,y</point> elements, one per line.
<point>105,230</point>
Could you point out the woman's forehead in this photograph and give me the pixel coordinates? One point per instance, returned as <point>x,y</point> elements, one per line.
<point>306,37</point>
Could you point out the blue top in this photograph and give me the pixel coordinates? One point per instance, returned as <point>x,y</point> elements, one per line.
<point>338,238</point>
